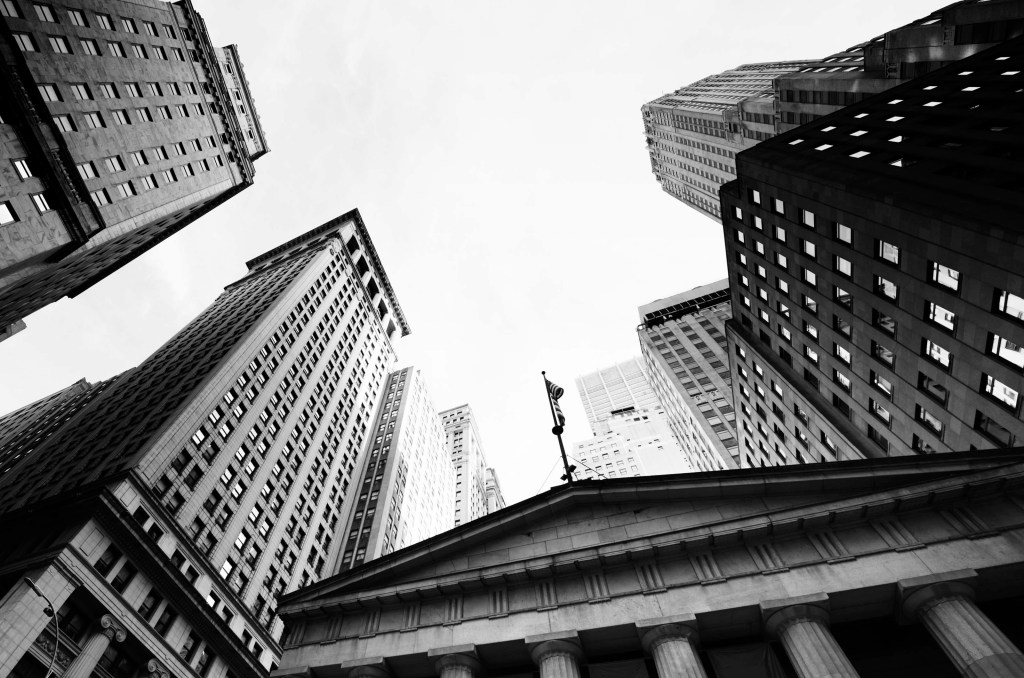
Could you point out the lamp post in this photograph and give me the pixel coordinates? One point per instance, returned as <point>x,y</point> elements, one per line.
<point>49,612</point>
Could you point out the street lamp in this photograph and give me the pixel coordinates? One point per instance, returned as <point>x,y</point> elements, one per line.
<point>49,612</point>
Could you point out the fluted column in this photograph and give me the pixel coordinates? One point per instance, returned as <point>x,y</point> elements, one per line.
<point>93,648</point>
<point>457,666</point>
<point>375,668</point>
<point>672,644</point>
<point>968,637</point>
<point>557,658</point>
<point>801,624</point>
<point>156,669</point>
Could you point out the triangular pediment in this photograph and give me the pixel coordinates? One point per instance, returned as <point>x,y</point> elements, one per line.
<point>605,522</point>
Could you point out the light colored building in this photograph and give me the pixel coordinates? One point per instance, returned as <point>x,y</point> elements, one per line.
<point>615,388</point>
<point>694,133</point>
<point>120,124</point>
<point>684,345</point>
<point>495,499</point>
<point>462,436</point>
<point>880,567</point>
<point>407,475</point>
<point>639,443</point>
<point>164,510</point>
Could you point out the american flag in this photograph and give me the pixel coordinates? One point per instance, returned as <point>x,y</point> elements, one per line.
<point>554,393</point>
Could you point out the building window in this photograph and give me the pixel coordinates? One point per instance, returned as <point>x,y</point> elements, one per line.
<point>41,203</point>
<point>1009,304</point>
<point>778,206</point>
<point>121,117</point>
<point>105,21</point>
<point>807,218</point>
<point>81,91</point>
<point>811,354</point>
<point>133,89</point>
<point>150,28</point>
<point>25,42</point>
<point>45,13</point>
<point>114,164</point>
<point>843,266</point>
<point>116,49</point>
<point>878,439</point>
<point>882,353</point>
<point>22,168</point>
<point>809,249</point>
<point>841,380</point>
<point>781,261</point>
<point>163,112</point>
<point>126,190</point>
<point>883,322</point>
<point>880,412</point>
<point>94,120</point>
<point>755,196</point>
<point>840,325</point>
<point>123,577</point>
<point>944,276</point>
<point>844,233</point>
<point>886,288</point>
<point>999,391</point>
<point>940,316</point>
<point>882,384</point>
<point>100,197</point>
<point>139,51</point>
<point>59,44</point>
<point>129,25</point>
<point>780,234</point>
<point>842,297</point>
<point>90,47</point>
<point>928,419</point>
<point>7,214</point>
<point>9,9</point>
<point>936,353</point>
<point>842,353</point>
<point>139,158</point>
<point>887,252</point>
<point>993,429</point>
<point>810,304</point>
<point>64,123</point>
<point>811,331</point>
<point>49,93</point>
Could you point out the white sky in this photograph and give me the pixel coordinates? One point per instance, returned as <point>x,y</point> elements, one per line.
<point>496,152</point>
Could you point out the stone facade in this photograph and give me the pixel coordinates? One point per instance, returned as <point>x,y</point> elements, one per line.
<point>871,567</point>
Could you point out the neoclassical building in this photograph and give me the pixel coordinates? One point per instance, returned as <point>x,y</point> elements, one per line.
<point>874,567</point>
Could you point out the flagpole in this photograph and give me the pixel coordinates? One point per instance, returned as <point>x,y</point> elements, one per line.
<point>557,430</point>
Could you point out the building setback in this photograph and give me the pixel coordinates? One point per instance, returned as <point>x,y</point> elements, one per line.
<point>874,257</point>
<point>462,437</point>
<point>408,481</point>
<point>614,389</point>
<point>684,348</point>
<point>879,567</point>
<point>121,124</point>
<point>174,503</point>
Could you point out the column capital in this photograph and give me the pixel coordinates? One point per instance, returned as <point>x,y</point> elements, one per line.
<point>112,628</point>
<point>156,669</point>
<point>291,672</point>
<point>560,642</point>
<point>781,612</point>
<point>366,667</point>
<point>918,594</point>
<point>653,632</point>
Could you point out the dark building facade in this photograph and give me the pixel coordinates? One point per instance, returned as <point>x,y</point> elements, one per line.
<point>120,124</point>
<point>874,257</point>
<point>178,500</point>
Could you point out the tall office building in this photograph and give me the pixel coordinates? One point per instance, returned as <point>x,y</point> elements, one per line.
<point>684,348</point>
<point>408,482</point>
<point>164,510</point>
<point>462,437</point>
<point>694,133</point>
<point>120,124</point>
<point>638,443</point>
<point>613,389</point>
<point>875,262</point>
<point>946,35</point>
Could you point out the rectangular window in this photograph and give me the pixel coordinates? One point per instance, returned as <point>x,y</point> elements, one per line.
<point>26,43</point>
<point>842,353</point>
<point>108,90</point>
<point>49,92</point>
<point>64,123</point>
<point>842,380</point>
<point>94,120</point>
<point>181,110</point>
<point>882,353</point>
<point>169,32</point>
<point>163,112</point>
<point>129,25</point>
<point>887,252</point>
<point>1009,351</point>
<point>132,88</point>
<point>842,326</point>
<point>810,304</point>
<point>807,218</point>
<point>105,21</point>
<point>886,288</point>
<point>139,158</point>
<point>139,51</point>
<point>843,266</point>
<point>148,182</point>
<point>9,9</point>
<point>168,176</point>
<point>809,249</point>
<point>1009,304</point>
<point>81,91</point>
<point>22,168</point>
<point>842,297</point>
<point>879,412</point>
<point>187,171</point>
<point>883,322</point>
<point>160,152</point>
<point>126,190</point>
<point>996,389</point>
<point>7,214</point>
<point>143,115</point>
<point>114,164</point>
<point>77,18</point>
<point>115,49</point>
<point>178,55</point>
<point>940,316</point>
<point>45,13</point>
<point>811,354</point>
<point>90,47</point>
<point>150,28</point>
<point>59,44</point>
<point>778,206</point>
<point>993,429</point>
<point>121,117</point>
<point>882,384</point>
<point>780,234</point>
<point>936,353</point>
<point>945,276</point>
<point>41,203</point>
<point>843,233</point>
<point>781,261</point>
<point>928,419</point>
<point>87,170</point>
<point>160,52</point>
<point>100,197</point>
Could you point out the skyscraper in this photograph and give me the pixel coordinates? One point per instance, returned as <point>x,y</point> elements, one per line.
<point>638,442</point>
<point>164,510</point>
<point>121,124</point>
<point>619,387</point>
<point>694,133</point>
<point>492,489</point>
<point>462,437</point>
<point>408,481</point>
<point>875,256</point>
<point>683,342</point>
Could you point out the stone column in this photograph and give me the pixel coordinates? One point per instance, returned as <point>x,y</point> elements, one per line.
<point>672,642</point>
<point>456,662</point>
<point>556,654</point>
<point>155,669</point>
<point>370,667</point>
<point>801,624</point>
<point>95,645</point>
<point>944,604</point>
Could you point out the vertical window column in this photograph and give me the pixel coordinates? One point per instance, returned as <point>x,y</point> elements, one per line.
<point>801,624</point>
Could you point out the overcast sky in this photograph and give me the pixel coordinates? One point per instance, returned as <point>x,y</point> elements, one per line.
<point>496,152</point>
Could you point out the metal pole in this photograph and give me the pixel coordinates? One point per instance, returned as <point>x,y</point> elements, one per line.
<point>557,430</point>
<point>50,611</point>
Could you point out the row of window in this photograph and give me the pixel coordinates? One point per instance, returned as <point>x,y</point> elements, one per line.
<point>60,44</point>
<point>76,17</point>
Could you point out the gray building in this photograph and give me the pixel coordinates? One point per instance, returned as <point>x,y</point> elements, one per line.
<point>472,475</point>
<point>120,124</point>
<point>683,342</point>
<point>619,388</point>
<point>177,501</point>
